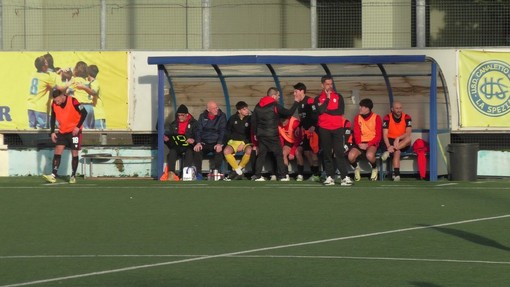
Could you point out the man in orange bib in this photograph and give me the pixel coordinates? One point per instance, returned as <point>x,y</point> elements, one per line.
<point>367,136</point>
<point>397,128</point>
<point>70,115</point>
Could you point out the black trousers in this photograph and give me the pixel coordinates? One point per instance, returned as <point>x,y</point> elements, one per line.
<point>174,153</point>
<point>332,145</point>
<point>208,148</point>
<point>270,144</point>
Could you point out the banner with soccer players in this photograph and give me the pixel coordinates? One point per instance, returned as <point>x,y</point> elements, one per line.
<point>99,80</point>
<point>484,89</point>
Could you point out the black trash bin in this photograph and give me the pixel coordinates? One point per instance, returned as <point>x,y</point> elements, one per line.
<point>463,161</point>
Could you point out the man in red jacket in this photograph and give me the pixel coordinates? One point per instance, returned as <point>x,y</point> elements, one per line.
<point>70,115</point>
<point>331,130</point>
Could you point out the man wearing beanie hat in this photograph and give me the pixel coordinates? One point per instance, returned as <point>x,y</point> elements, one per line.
<point>367,136</point>
<point>182,109</point>
<point>179,138</point>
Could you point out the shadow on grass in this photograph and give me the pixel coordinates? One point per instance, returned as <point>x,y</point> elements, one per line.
<point>475,238</point>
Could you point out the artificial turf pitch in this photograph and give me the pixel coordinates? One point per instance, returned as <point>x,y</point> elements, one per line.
<point>242,233</point>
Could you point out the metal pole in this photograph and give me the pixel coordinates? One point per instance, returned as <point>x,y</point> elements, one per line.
<point>420,24</point>
<point>313,23</point>
<point>433,140</point>
<point>206,24</point>
<point>161,119</point>
<point>103,25</point>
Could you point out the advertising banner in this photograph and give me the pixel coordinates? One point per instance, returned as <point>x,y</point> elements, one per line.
<point>99,80</point>
<point>484,89</point>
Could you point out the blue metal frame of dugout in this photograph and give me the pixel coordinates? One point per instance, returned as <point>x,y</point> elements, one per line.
<point>164,64</point>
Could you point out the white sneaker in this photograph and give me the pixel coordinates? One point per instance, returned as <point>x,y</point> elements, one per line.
<point>299,177</point>
<point>286,178</point>
<point>385,155</point>
<point>396,178</point>
<point>239,171</point>
<point>72,180</point>
<point>260,179</point>
<point>357,173</point>
<point>329,181</point>
<point>373,175</point>
<point>273,177</point>
<point>346,181</point>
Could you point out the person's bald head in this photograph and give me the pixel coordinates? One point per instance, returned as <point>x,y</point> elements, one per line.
<point>396,109</point>
<point>212,108</point>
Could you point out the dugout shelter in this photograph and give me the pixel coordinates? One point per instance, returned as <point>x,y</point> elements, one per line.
<point>415,80</point>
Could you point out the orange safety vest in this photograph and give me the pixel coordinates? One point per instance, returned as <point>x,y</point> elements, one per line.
<point>396,129</point>
<point>67,116</point>
<point>289,132</point>
<point>367,128</point>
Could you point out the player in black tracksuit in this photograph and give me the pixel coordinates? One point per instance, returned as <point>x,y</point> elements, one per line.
<point>308,118</point>
<point>265,118</point>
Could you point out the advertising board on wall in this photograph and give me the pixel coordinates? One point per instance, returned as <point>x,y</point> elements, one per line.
<point>27,80</point>
<point>484,89</point>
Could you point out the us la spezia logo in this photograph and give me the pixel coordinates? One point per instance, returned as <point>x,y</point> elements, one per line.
<point>489,88</point>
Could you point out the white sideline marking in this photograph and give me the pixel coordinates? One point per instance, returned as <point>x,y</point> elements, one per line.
<point>249,251</point>
<point>257,256</point>
<point>446,184</point>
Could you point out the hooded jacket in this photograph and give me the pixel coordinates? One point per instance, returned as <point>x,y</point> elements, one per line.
<point>266,116</point>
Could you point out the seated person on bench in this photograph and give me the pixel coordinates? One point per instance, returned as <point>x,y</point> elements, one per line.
<point>397,128</point>
<point>239,140</point>
<point>212,125</point>
<point>367,134</point>
<point>179,139</point>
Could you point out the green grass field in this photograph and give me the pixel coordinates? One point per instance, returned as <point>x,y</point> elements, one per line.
<point>148,233</point>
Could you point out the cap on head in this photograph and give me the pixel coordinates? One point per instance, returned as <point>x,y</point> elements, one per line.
<point>300,86</point>
<point>182,109</point>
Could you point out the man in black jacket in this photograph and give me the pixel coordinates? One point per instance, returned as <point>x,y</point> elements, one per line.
<point>212,125</point>
<point>265,119</point>
<point>180,139</point>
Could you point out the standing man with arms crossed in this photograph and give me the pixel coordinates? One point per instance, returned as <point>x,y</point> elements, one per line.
<point>366,138</point>
<point>265,118</point>
<point>309,146</point>
<point>331,130</point>
<point>397,128</point>
<point>70,115</point>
